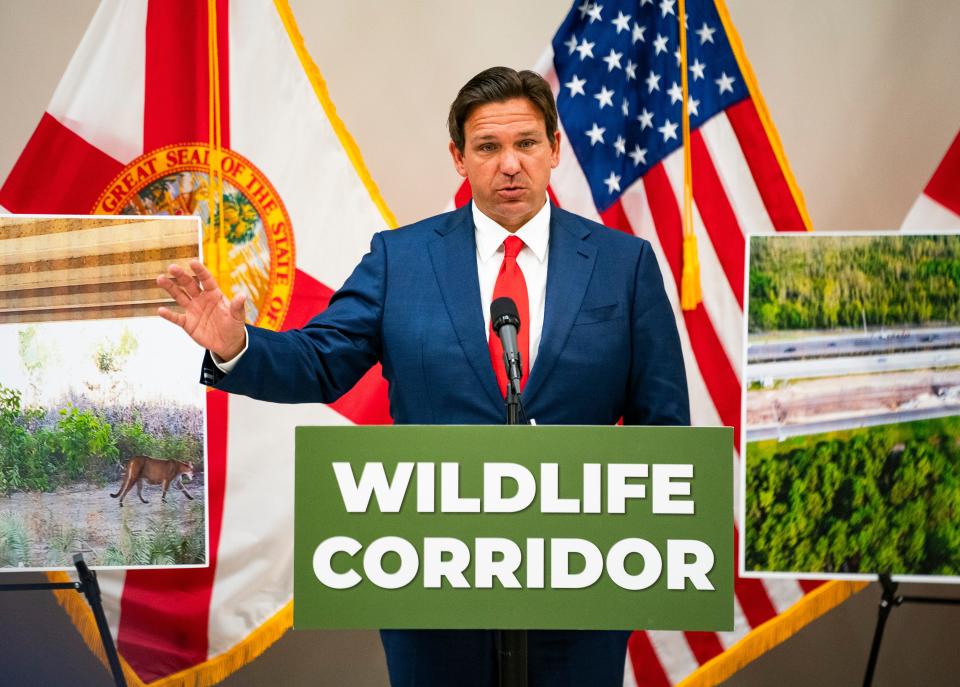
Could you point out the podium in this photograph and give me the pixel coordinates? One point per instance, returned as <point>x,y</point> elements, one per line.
<point>522,527</point>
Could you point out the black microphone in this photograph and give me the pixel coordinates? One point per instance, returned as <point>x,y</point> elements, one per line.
<point>505,320</point>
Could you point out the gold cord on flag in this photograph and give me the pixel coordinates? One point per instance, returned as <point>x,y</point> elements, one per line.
<point>690,294</point>
<point>214,244</point>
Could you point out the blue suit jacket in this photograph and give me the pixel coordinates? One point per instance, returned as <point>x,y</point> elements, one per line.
<point>609,347</point>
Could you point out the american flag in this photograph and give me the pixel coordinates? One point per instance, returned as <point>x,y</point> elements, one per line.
<point>614,67</point>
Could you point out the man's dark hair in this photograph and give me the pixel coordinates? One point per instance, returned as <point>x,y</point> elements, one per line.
<point>497,85</point>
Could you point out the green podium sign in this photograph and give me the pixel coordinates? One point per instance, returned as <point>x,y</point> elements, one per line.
<point>514,527</point>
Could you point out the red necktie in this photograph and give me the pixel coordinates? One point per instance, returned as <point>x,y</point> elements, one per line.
<point>511,284</point>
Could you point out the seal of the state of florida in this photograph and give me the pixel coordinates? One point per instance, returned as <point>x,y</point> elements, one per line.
<point>247,238</point>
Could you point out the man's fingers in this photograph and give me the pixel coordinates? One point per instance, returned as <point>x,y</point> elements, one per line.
<point>163,281</point>
<point>178,319</point>
<point>237,307</point>
<point>203,274</point>
<point>184,281</point>
<point>174,291</point>
<point>191,283</point>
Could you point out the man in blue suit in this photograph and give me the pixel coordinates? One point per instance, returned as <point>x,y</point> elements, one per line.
<point>601,339</point>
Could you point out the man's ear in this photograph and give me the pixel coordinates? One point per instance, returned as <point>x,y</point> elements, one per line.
<point>458,160</point>
<point>555,150</point>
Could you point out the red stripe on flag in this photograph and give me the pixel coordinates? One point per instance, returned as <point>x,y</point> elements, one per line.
<point>715,367</point>
<point>809,585</point>
<point>718,374</point>
<point>57,172</point>
<point>615,218</point>
<point>367,402</point>
<point>463,195</point>
<point>164,613</point>
<point>718,217</point>
<point>176,102</point>
<point>754,601</point>
<point>647,670</point>
<point>766,169</point>
<point>704,645</point>
<point>309,298</point>
<point>944,186</point>
<point>665,215</point>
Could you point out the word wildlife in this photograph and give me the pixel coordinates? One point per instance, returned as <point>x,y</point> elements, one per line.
<point>447,559</point>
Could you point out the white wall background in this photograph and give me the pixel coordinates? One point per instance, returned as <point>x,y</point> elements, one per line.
<point>866,99</point>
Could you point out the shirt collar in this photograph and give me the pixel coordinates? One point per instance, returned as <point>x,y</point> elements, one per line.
<point>490,235</point>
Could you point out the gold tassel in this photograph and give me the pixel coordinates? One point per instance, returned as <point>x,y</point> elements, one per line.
<point>690,294</point>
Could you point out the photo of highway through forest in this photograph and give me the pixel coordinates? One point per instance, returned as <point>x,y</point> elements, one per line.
<point>852,405</point>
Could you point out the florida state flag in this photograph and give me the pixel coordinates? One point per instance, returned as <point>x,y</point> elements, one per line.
<point>938,205</point>
<point>215,109</point>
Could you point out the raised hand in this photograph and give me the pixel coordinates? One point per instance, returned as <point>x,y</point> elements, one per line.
<point>209,318</point>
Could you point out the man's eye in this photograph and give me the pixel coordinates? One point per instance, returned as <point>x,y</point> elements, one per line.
<point>527,143</point>
<point>487,148</point>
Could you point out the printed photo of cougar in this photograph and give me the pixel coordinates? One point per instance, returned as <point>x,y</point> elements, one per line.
<point>154,471</point>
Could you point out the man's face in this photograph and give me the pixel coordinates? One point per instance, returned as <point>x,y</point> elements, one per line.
<point>507,158</point>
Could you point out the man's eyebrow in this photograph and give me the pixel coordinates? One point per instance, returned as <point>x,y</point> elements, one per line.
<point>532,133</point>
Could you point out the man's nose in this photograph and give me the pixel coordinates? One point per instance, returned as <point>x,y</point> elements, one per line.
<point>509,162</point>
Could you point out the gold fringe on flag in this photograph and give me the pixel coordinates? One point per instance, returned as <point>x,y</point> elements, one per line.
<point>766,120</point>
<point>320,89</point>
<point>221,667</point>
<point>776,630</point>
<point>78,610</point>
<point>205,674</point>
<point>690,294</point>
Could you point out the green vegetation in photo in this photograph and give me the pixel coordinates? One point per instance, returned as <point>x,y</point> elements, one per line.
<point>86,443</point>
<point>25,446</point>
<point>826,282</point>
<point>42,449</point>
<point>880,499</point>
<point>165,541</point>
<point>14,546</point>
<point>62,543</point>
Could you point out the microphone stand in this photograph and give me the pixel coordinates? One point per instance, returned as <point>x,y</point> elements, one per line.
<point>512,400</point>
<point>512,644</point>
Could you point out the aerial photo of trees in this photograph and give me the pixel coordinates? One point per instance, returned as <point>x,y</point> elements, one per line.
<point>797,283</point>
<point>853,405</point>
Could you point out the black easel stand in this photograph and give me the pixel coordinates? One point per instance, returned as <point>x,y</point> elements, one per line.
<point>511,645</point>
<point>87,585</point>
<point>888,601</point>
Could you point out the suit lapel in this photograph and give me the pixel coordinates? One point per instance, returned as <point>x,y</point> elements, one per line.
<point>454,258</point>
<point>568,274</point>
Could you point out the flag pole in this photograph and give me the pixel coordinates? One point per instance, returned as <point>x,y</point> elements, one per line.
<point>216,253</point>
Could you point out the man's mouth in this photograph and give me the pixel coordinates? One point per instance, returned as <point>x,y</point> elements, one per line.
<point>511,192</point>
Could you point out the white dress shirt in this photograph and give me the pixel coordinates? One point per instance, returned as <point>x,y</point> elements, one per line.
<point>532,260</point>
